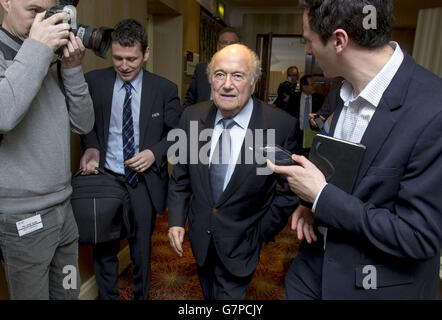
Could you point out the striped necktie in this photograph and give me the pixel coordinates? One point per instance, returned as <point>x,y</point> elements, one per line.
<point>128,136</point>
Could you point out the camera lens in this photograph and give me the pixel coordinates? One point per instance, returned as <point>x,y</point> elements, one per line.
<point>96,39</point>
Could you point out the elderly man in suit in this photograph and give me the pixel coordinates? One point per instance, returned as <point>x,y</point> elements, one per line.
<point>134,111</point>
<point>199,89</point>
<point>382,240</point>
<point>234,209</point>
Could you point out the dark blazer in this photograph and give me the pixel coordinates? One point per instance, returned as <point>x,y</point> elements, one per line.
<point>295,107</point>
<point>160,112</point>
<point>251,210</point>
<point>199,89</point>
<point>393,218</point>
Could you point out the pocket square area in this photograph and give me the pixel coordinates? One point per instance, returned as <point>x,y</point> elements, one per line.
<point>155,115</point>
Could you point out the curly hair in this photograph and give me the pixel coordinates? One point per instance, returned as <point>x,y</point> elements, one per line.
<point>325,16</point>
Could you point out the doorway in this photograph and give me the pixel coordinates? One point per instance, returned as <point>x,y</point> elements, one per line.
<point>277,54</point>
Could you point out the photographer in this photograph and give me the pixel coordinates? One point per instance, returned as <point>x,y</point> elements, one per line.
<point>38,234</point>
<point>287,91</point>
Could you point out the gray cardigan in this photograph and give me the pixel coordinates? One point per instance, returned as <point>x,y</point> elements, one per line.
<point>35,123</point>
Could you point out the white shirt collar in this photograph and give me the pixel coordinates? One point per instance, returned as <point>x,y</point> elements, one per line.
<point>136,82</point>
<point>242,118</point>
<point>305,95</point>
<point>375,89</point>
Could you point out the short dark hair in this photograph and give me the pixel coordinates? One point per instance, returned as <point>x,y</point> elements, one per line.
<point>292,67</point>
<point>304,81</point>
<point>326,16</point>
<point>229,29</point>
<point>128,31</point>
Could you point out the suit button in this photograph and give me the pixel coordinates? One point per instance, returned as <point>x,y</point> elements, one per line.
<point>214,210</point>
<point>208,232</point>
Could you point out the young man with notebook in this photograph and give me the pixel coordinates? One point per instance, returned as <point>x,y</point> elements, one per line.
<point>381,240</point>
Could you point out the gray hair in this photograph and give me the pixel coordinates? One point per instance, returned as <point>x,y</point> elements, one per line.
<point>255,63</point>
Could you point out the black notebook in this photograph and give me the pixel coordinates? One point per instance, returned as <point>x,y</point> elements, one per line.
<point>338,160</point>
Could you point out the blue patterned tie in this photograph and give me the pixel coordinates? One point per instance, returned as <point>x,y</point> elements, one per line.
<point>128,136</point>
<point>306,112</point>
<point>220,160</point>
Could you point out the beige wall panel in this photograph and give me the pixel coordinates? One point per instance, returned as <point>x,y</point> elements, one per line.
<point>254,24</point>
<point>97,13</point>
<point>191,36</point>
<point>428,44</point>
<point>168,61</point>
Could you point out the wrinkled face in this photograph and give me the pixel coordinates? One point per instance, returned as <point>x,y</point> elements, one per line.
<point>323,53</point>
<point>231,80</point>
<point>226,39</point>
<point>20,14</point>
<point>128,61</point>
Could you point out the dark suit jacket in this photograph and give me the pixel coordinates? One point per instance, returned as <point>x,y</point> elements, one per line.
<point>393,218</point>
<point>251,210</point>
<point>160,111</point>
<point>295,107</point>
<point>329,105</point>
<point>199,89</point>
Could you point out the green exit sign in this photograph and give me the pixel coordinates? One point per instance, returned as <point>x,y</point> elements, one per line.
<point>221,10</point>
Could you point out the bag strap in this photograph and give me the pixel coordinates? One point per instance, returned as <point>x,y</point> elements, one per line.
<point>100,170</point>
<point>61,83</point>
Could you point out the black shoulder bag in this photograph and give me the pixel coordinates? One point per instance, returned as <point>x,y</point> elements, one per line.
<point>101,207</point>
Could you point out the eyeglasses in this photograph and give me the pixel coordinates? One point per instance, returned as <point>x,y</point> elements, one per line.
<point>226,43</point>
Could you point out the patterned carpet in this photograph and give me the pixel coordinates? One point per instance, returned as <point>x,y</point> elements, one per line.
<point>175,278</point>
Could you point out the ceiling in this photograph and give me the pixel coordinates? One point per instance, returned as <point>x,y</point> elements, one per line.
<point>263,3</point>
<point>406,11</point>
<point>411,4</point>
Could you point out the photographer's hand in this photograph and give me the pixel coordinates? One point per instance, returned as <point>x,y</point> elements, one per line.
<point>312,117</point>
<point>73,52</point>
<point>50,33</point>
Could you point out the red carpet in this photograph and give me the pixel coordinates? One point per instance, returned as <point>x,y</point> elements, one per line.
<point>175,278</point>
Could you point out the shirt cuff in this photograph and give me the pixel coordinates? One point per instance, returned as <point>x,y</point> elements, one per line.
<point>317,198</point>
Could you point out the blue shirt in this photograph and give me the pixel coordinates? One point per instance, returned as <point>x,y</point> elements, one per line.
<point>114,154</point>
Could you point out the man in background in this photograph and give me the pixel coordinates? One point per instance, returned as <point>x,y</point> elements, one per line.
<point>38,233</point>
<point>383,239</point>
<point>134,110</point>
<point>305,103</point>
<point>287,90</point>
<point>199,89</point>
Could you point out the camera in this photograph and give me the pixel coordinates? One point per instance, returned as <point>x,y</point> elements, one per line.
<point>286,88</point>
<point>96,39</point>
<point>319,122</point>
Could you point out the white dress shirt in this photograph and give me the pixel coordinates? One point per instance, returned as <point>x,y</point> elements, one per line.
<point>237,134</point>
<point>114,153</point>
